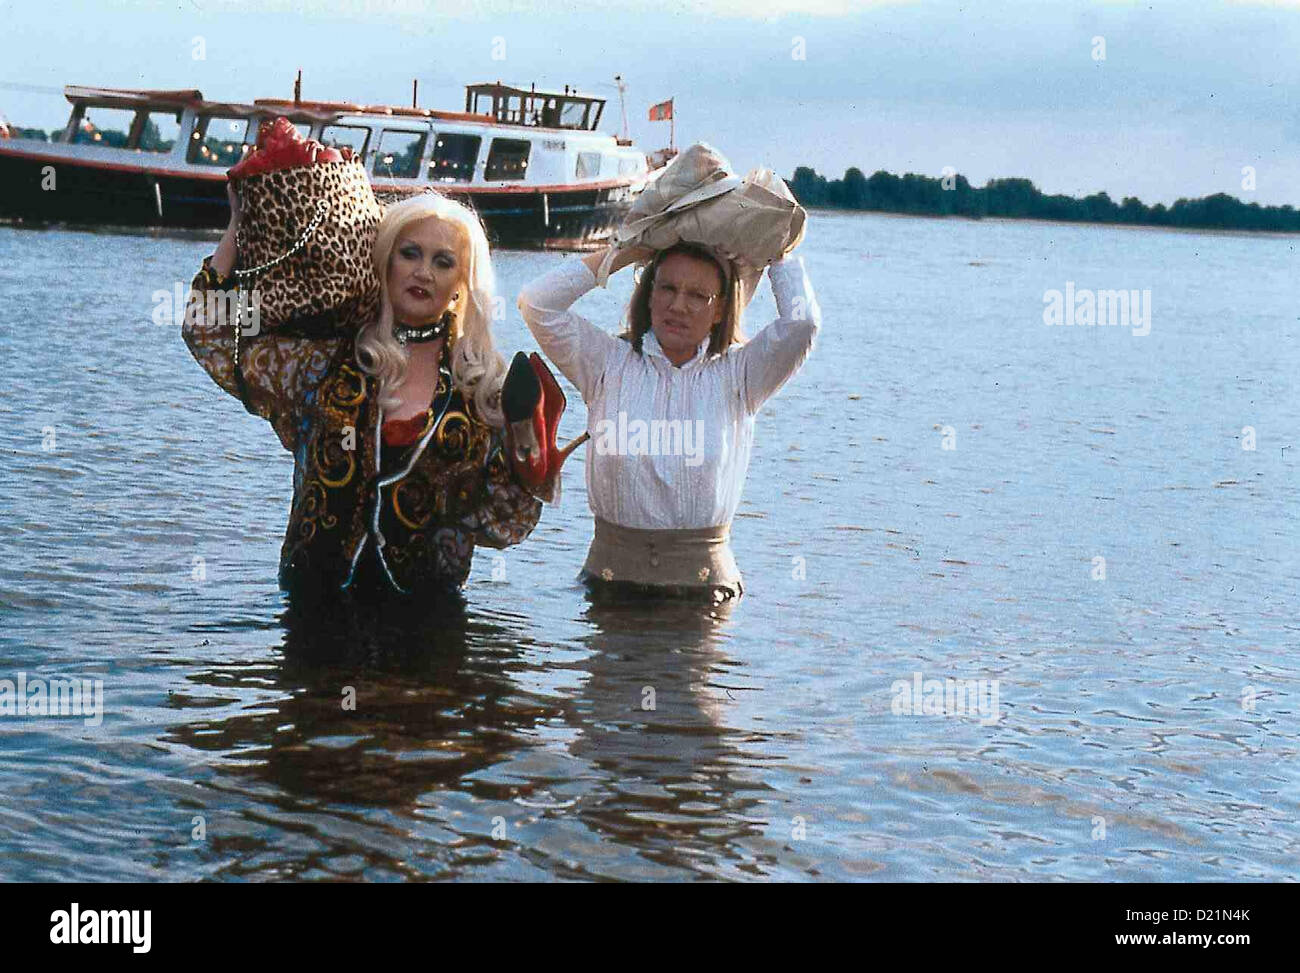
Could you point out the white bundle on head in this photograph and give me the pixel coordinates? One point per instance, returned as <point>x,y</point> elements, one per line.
<point>698,198</point>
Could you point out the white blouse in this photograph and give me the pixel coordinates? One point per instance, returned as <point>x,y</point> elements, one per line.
<point>669,446</point>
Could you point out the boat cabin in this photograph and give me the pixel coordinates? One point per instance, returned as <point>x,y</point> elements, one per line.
<point>519,136</point>
<point>528,106</point>
<point>150,121</point>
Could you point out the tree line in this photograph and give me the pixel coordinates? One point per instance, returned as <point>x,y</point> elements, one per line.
<point>1020,199</point>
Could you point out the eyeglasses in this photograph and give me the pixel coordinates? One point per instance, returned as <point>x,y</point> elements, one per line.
<point>666,295</point>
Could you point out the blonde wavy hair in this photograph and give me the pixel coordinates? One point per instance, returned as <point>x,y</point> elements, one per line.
<point>477,367</point>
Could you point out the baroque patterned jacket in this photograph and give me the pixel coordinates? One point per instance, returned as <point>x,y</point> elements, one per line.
<point>364,513</point>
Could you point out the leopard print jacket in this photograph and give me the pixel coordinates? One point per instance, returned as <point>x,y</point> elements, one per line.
<point>404,518</point>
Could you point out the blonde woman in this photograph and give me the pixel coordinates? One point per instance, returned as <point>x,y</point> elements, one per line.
<point>671,405</point>
<point>395,425</point>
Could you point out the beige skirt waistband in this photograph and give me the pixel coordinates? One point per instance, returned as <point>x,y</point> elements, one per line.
<point>693,556</point>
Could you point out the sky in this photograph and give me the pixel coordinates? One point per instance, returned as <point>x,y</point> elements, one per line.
<point>1188,92</point>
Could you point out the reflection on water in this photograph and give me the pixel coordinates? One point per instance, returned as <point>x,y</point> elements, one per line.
<point>382,713</point>
<point>374,711</point>
<point>1147,731</point>
<point>652,717</point>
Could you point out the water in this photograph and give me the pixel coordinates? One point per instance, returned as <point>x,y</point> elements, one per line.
<point>1147,723</point>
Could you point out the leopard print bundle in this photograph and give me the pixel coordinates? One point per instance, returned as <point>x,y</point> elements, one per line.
<point>326,279</point>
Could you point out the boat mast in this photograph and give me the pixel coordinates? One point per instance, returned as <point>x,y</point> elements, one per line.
<point>618,80</point>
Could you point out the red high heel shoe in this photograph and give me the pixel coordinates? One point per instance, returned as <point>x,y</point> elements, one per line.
<point>533,403</point>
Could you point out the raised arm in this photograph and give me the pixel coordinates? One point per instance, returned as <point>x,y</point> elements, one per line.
<point>279,373</point>
<point>577,347</point>
<point>769,359</point>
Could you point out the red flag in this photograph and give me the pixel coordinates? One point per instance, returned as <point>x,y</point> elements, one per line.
<point>662,111</point>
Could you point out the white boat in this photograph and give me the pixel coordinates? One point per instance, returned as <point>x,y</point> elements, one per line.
<point>531,163</point>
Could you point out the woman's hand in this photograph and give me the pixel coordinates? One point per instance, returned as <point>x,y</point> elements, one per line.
<point>233,198</point>
<point>223,261</point>
<point>636,254</point>
<point>594,260</point>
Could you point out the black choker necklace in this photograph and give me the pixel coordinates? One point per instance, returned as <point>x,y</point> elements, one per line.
<point>416,336</point>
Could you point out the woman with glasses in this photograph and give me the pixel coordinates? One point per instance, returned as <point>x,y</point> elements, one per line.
<point>670,409</point>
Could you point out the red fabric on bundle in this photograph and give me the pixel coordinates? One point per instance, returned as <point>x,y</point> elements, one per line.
<point>281,146</point>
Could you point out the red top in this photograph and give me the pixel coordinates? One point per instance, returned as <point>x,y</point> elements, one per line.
<point>403,432</point>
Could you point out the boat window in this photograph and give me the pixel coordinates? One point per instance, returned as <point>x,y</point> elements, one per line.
<point>588,165</point>
<point>573,115</point>
<point>105,126</point>
<point>160,132</point>
<point>626,166</point>
<point>454,157</point>
<point>507,159</point>
<point>217,141</point>
<point>399,154</point>
<point>353,136</point>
